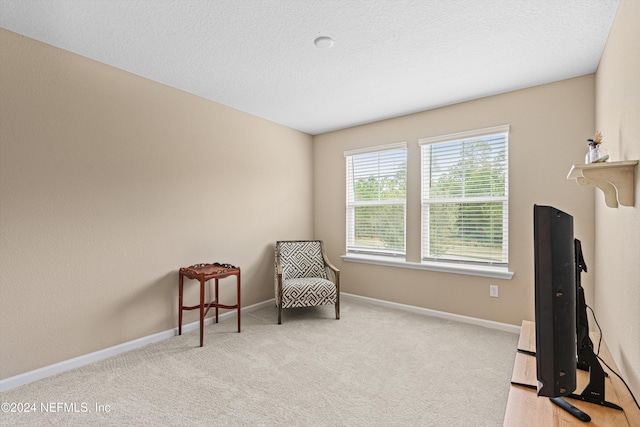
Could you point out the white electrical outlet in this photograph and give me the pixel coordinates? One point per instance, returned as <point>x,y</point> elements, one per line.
<point>493,291</point>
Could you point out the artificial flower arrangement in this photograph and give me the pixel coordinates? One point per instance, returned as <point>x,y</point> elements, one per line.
<point>597,139</point>
<point>596,154</point>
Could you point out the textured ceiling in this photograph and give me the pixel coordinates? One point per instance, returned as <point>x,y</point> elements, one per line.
<point>390,57</point>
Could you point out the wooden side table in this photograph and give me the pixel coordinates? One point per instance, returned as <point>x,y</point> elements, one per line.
<point>204,273</point>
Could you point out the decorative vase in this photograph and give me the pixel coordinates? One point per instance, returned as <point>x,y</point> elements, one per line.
<point>594,153</point>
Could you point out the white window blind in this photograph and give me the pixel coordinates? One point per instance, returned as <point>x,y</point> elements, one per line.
<point>465,200</point>
<point>376,200</point>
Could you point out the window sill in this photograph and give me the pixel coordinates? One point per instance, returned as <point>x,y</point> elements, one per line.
<point>472,270</point>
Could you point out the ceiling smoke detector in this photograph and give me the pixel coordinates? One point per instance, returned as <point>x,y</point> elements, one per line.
<point>323,42</point>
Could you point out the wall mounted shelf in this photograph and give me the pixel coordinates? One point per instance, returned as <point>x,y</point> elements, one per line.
<point>615,179</point>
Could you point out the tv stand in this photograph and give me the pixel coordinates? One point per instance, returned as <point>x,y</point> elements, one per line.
<point>526,409</point>
<point>594,391</point>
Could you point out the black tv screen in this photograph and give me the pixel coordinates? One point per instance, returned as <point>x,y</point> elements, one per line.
<point>555,301</point>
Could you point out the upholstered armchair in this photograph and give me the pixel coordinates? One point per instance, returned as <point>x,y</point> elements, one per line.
<point>304,276</point>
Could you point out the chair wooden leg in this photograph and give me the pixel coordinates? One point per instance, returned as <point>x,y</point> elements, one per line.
<point>338,308</point>
<point>279,314</point>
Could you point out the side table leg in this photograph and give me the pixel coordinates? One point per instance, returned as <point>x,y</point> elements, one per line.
<point>180,290</point>
<point>238,300</point>
<point>201,312</point>
<point>217,301</point>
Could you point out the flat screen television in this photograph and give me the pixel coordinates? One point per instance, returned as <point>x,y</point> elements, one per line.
<point>555,302</point>
<point>562,331</point>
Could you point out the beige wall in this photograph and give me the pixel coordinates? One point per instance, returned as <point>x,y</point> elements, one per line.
<point>109,183</point>
<point>617,261</point>
<point>549,128</point>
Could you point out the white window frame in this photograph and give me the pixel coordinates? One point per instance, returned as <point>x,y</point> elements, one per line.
<point>425,143</point>
<point>351,204</point>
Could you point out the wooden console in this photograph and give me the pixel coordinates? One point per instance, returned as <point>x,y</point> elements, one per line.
<point>525,408</point>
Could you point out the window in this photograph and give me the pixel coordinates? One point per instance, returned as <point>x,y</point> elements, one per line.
<point>465,197</point>
<point>376,200</point>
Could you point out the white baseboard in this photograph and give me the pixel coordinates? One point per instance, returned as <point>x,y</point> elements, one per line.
<point>86,359</point>
<point>435,313</point>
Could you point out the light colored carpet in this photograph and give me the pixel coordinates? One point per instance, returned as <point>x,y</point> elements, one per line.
<point>374,367</point>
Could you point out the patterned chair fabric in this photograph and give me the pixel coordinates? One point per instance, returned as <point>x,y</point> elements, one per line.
<point>303,277</point>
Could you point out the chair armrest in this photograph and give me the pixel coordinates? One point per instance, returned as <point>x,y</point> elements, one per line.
<point>279,276</point>
<point>327,263</point>
<point>332,267</point>
<point>278,283</point>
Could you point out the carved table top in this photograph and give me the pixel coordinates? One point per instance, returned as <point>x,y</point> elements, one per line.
<point>209,271</point>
